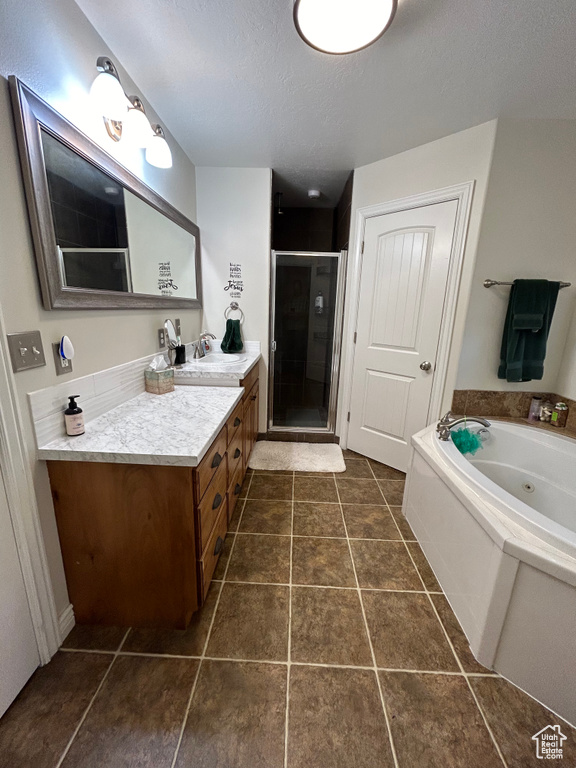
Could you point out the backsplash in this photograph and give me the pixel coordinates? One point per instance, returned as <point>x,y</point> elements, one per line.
<point>507,405</point>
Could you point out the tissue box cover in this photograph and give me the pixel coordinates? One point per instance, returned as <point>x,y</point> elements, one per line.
<point>159,382</point>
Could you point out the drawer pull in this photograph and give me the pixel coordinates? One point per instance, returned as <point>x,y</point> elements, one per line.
<point>219,545</point>
<point>237,489</point>
<point>237,421</point>
<point>237,453</point>
<point>217,501</point>
<point>216,461</point>
<point>253,397</point>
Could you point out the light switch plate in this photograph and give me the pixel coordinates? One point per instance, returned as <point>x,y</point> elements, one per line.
<point>26,350</point>
<point>178,327</point>
<point>62,365</point>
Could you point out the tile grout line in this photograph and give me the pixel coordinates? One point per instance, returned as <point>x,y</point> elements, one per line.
<point>306,536</point>
<point>276,662</point>
<point>289,656</point>
<point>205,648</point>
<point>374,667</point>
<point>456,657</point>
<point>91,702</point>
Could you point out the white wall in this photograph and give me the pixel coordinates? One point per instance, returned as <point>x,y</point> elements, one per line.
<point>566,383</point>
<point>461,157</point>
<point>234,206</point>
<point>528,231</point>
<point>50,46</point>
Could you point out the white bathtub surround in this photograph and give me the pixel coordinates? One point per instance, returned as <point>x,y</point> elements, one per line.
<point>505,554</point>
<point>297,457</point>
<point>216,369</point>
<point>175,429</point>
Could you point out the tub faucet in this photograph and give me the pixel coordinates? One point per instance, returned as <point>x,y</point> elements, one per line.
<point>446,423</point>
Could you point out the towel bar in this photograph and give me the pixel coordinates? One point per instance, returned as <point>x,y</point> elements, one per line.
<point>490,283</point>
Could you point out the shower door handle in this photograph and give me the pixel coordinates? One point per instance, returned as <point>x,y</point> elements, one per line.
<point>273,346</point>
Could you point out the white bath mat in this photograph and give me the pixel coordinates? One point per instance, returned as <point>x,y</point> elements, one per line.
<point>297,457</point>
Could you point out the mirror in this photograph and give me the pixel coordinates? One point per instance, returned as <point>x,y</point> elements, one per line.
<point>171,334</point>
<point>103,239</point>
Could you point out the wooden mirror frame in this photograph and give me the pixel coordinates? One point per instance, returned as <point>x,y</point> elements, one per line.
<point>32,113</point>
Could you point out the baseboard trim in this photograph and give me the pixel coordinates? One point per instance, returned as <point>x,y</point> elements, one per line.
<point>66,622</point>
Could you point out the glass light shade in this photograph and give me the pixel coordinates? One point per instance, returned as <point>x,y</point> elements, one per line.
<point>109,97</point>
<point>342,26</point>
<point>136,128</point>
<point>158,152</point>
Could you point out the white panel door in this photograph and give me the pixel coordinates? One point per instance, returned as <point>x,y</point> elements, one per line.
<point>402,288</point>
<point>18,649</point>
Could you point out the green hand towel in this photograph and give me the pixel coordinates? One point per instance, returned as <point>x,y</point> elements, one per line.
<point>528,319</point>
<point>232,341</point>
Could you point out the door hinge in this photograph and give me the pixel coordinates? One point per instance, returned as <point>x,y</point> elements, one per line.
<point>355,337</point>
<point>348,417</point>
<point>362,249</point>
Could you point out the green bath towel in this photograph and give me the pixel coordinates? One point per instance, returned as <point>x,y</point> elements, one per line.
<point>528,319</point>
<point>232,341</point>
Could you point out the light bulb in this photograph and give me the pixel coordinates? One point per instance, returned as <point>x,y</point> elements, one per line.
<point>136,128</point>
<point>158,151</point>
<point>109,97</point>
<point>342,26</point>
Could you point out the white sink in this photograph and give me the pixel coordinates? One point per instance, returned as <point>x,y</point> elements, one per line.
<point>217,359</point>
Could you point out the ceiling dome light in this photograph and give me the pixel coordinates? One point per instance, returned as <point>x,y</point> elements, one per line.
<point>157,151</point>
<point>107,92</point>
<point>342,26</point>
<point>136,128</point>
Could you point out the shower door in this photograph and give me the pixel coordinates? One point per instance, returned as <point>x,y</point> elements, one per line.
<point>306,326</point>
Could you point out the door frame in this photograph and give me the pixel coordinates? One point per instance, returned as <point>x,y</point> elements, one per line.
<point>463,194</point>
<point>23,510</point>
<point>330,427</point>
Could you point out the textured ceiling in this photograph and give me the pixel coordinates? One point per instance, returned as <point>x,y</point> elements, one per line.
<point>238,87</point>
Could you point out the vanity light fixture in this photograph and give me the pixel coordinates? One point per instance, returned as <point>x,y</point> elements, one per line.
<point>125,117</point>
<point>136,128</point>
<point>342,26</point>
<point>107,92</point>
<point>157,150</point>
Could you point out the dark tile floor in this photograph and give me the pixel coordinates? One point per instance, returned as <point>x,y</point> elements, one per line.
<point>325,641</point>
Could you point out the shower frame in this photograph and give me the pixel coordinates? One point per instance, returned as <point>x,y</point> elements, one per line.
<point>342,257</point>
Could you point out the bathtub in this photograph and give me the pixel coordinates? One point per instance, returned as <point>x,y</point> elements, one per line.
<point>499,530</point>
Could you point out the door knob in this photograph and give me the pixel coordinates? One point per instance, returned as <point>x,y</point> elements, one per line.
<point>426,365</point>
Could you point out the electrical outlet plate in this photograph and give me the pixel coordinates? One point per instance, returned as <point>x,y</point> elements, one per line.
<point>161,338</point>
<point>178,327</point>
<point>26,350</point>
<point>62,366</point>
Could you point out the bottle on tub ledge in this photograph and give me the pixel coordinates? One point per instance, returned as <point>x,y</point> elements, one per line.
<point>74,417</point>
<point>559,415</point>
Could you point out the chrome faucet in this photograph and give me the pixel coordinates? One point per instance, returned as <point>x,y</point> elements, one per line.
<point>447,422</point>
<point>199,346</point>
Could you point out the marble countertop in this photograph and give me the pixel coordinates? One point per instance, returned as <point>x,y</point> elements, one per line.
<point>175,429</point>
<point>215,370</point>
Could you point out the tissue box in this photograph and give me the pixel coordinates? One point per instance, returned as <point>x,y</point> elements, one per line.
<point>159,382</point>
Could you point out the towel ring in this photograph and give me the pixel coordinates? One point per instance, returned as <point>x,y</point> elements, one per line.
<point>233,306</point>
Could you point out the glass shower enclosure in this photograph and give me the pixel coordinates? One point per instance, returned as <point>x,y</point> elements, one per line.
<point>306,327</point>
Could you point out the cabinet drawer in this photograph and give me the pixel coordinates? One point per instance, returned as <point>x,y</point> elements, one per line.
<point>249,381</point>
<point>205,471</point>
<point>212,552</point>
<point>236,453</point>
<point>234,421</point>
<point>234,489</point>
<point>212,503</point>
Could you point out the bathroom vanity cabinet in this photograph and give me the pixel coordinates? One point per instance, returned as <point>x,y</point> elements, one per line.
<point>140,542</point>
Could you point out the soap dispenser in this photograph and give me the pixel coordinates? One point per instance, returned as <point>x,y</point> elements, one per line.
<point>73,417</point>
